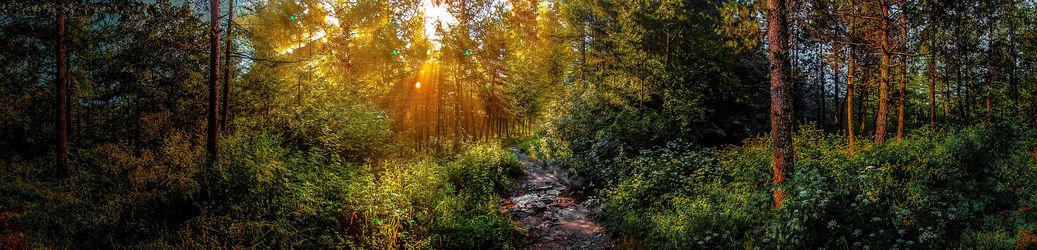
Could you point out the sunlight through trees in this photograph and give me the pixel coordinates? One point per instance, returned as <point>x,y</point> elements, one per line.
<point>503,124</point>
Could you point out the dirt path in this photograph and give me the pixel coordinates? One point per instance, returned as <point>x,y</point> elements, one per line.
<point>555,217</point>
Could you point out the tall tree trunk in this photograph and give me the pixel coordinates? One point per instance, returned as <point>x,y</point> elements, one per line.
<point>932,90</point>
<point>822,116</point>
<point>948,98</point>
<point>583,53</point>
<point>780,116</point>
<point>836,69</point>
<point>991,57</point>
<point>850,87</point>
<point>903,73</point>
<point>227,70</point>
<point>1012,78</point>
<point>962,116</point>
<point>862,109</point>
<point>62,105</point>
<point>458,131</point>
<point>881,117</point>
<point>214,68</point>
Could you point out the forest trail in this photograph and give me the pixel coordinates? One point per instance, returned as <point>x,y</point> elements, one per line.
<point>556,217</point>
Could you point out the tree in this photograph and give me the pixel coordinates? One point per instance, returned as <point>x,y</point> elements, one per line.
<point>227,70</point>
<point>932,89</point>
<point>781,119</point>
<point>903,72</point>
<point>214,67</point>
<point>62,83</point>
<point>881,117</point>
<point>850,87</point>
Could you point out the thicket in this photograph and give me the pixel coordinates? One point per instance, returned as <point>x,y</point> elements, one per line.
<point>264,194</point>
<point>959,188</point>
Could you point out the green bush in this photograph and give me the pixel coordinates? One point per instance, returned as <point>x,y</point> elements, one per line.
<point>261,193</point>
<point>116,195</point>
<point>956,188</point>
<point>275,197</point>
<point>484,169</point>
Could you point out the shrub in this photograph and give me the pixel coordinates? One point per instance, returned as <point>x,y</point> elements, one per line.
<point>972,185</point>
<point>277,197</point>
<point>116,195</point>
<point>261,193</point>
<point>484,169</point>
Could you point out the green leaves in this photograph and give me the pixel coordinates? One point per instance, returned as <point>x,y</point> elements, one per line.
<point>908,194</point>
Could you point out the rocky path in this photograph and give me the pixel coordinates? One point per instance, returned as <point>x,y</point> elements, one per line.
<point>555,216</point>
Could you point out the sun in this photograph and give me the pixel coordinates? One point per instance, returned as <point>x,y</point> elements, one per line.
<point>436,12</point>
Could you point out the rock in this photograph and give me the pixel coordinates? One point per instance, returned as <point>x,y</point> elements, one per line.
<point>559,222</point>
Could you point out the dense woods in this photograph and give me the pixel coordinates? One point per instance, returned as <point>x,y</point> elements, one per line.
<point>463,124</point>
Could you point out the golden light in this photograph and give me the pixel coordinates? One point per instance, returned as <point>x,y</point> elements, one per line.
<point>417,85</point>
<point>436,13</point>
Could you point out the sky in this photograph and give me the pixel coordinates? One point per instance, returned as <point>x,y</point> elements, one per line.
<point>436,13</point>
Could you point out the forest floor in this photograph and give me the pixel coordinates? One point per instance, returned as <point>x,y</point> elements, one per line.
<point>557,216</point>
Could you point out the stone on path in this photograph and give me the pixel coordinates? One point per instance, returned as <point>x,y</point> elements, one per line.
<point>556,221</point>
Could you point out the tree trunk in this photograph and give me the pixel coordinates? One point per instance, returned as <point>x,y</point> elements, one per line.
<point>881,117</point>
<point>780,116</point>
<point>1012,71</point>
<point>932,90</point>
<point>214,67</point>
<point>991,65</point>
<point>227,71</point>
<point>903,73</point>
<point>62,83</point>
<point>947,96</point>
<point>862,107</point>
<point>962,116</point>
<point>822,116</point>
<point>836,69</point>
<point>850,88</point>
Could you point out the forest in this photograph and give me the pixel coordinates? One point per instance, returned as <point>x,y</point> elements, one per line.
<point>518,124</point>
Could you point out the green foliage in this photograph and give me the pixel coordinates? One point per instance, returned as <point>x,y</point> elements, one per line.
<point>346,132</point>
<point>323,114</point>
<point>264,194</point>
<point>957,188</point>
<point>268,195</point>
<point>639,91</point>
<point>116,196</point>
<point>484,169</point>
<point>677,197</point>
